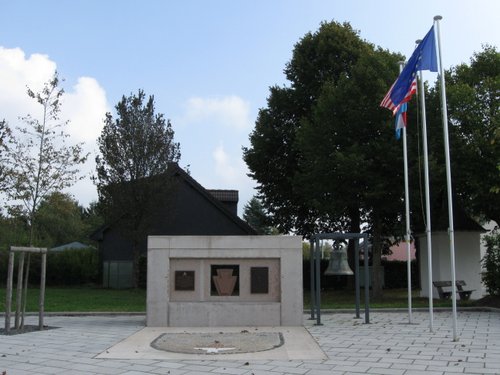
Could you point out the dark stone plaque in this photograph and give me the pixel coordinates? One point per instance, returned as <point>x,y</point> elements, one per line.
<point>184,280</point>
<point>259,280</point>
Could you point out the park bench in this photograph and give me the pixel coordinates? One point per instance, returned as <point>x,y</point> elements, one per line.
<point>445,294</point>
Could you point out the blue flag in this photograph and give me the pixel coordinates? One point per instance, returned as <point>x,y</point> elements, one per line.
<point>423,58</point>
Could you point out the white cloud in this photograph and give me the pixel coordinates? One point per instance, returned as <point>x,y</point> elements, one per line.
<point>232,171</point>
<point>230,111</point>
<point>223,166</point>
<point>16,73</point>
<point>84,105</point>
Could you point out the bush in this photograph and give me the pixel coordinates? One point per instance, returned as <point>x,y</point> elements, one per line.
<point>491,263</point>
<point>69,267</point>
<point>395,275</point>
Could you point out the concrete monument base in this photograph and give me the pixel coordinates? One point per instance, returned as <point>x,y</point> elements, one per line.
<point>196,281</point>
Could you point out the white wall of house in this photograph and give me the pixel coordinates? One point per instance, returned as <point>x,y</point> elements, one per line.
<point>467,261</point>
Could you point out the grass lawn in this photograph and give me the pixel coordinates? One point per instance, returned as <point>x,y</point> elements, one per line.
<point>87,299</point>
<point>392,298</point>
<point>83,300</point>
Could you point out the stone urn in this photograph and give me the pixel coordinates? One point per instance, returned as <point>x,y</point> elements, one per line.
<point>225,281</point>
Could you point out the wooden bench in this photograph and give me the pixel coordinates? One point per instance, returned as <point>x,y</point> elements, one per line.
<point>446,294</point>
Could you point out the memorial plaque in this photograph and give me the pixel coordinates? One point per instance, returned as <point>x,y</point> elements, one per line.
<point>225,280</point>
<point>259,280</point>
<point>184,280</point>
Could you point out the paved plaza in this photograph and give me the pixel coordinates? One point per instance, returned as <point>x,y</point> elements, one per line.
<point>388,345</point>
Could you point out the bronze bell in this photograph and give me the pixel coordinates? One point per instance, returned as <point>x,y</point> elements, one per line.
<point>338,264</point>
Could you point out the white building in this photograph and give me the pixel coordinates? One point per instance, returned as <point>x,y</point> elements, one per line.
<point>468,254</point>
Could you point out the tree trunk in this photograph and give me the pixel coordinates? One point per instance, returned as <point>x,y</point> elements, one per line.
<point>135,264</point>
<point>355,223</point>
<point>376,257</point>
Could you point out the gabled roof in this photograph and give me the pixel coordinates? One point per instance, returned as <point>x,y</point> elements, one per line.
<point>462,221</point>
<point>175,171</point>
<point>72,245</point>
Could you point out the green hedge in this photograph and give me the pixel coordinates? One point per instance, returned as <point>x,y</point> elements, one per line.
<point>65,268</point>
<point>395,275</point>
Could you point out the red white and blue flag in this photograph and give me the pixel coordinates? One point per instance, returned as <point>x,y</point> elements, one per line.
<point>423,58</point>
<point>387,102</point>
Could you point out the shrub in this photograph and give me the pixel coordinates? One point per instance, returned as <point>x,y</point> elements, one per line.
<point>69,267</point>
<point>491,263</point>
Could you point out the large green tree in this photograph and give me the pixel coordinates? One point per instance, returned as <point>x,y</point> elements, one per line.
<point>473,101</point>
<point>136,149</point>
<point>323,151</point>
<point>473,93</point>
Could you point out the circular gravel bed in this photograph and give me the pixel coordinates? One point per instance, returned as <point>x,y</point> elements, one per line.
<point>218,342</point>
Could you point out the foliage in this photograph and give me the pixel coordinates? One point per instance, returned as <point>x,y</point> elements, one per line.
<point>40,161</point>
<point>473,100</point>
<point>136,149</point>
<point>14,230</point>
<point>255,215</point>
<point>323,151</point>
<point>64,268</point>
<point>491,263</point>
<point>473,93</point>
<point>5,142</point>
<point>59,220</point>
<point>73,267</point>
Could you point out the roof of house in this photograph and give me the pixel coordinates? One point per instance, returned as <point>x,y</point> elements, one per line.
<point>224,195</point>
<point>71,245</point>
<point>462,221</point>
<point>214,197</point>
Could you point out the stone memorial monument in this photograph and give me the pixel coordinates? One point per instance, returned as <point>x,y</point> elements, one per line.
<point>208,281</point>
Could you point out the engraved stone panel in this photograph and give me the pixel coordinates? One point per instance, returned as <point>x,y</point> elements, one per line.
<point>225,280</point>
<point>184,280</point>
<point>259,280</point>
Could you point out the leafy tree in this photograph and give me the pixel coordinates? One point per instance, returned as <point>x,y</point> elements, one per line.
<point>136,149</point>
<point>59,220</point>
<point>5,141</point>
<point>473,93</point>
<point>491,262</point>
<point>41,162</point>
<point>92,218</point>
<point>474,126</point>
<point>255,215</point>
<point>323,151</point>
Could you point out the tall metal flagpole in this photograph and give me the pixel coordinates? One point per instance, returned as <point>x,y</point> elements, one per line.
<point>451,231</point>
<point>427,199</point>
<point>407,213</point>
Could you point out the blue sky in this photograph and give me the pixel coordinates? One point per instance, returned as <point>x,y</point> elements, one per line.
<point>209,64</point>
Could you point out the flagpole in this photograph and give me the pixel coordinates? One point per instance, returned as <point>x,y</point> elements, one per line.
<point>451,231</point>
<point>427,200</point>
<point>407,214</point>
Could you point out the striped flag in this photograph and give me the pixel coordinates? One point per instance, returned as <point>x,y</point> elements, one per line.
<point>387,102</point>
<point>423,58</point>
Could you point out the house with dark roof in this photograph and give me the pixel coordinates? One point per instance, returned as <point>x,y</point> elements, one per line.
<point>192,210</point>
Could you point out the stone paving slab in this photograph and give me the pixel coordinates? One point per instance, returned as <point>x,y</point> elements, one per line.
<point>389,345</point>
<point>295,343</point>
